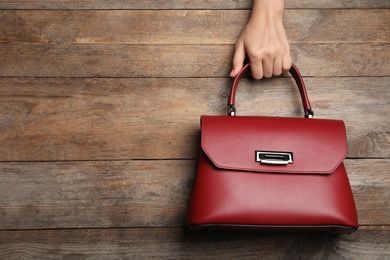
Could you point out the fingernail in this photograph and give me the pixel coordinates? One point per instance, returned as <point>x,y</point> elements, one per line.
<point>231,72</point>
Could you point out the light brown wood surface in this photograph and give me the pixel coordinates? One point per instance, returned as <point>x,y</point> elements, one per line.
<point>140,193</point>
<point>91,119</point>
<point>182,4</point>
<point>99,123</point>
<point>178,243</point>
<point>186,26</point>
<point>88,60</point>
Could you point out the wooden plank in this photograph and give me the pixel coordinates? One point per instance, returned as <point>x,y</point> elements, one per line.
<point>366,187</point>
<point>94,194</point>
<point>186,27</point>
<point>91,60</point>
<point>151,193</point>
<point>178,243</point>
<point>182,4</point>
<point>158,118</point>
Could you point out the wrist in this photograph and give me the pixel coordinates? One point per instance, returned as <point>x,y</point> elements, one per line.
<point>267,9</point>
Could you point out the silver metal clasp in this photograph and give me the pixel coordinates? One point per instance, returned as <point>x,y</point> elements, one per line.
<point>279,158</point>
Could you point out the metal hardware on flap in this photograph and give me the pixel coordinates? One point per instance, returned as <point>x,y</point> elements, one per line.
<point>279,158</point>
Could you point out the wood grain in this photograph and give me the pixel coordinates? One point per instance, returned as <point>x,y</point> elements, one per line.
<point>186,27</point>
<point>158,118</point>
<point>151,193</point>
<point>369,185</point>
<point>94,194</point>
<point>179,243</point>
<point>99,120</point>
<point>90,60</point>
<point>183,4</point>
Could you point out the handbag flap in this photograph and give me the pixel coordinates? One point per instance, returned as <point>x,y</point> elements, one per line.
<point>314,146</point>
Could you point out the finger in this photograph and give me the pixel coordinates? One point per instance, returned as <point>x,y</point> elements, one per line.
<point>267,67</point>
<point>277,66</point>
<point>286,62</point>
<point>238,59</point>
<point>256,69</point>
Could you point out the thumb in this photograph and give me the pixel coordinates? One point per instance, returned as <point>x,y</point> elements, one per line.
<point>238,59</point>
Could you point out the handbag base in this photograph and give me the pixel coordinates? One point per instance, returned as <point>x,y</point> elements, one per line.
<point>333,229</point>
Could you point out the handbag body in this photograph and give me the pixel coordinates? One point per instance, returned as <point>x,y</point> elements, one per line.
<point>272,173</point>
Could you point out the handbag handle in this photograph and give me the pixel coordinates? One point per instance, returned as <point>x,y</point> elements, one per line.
<point>298,80</point>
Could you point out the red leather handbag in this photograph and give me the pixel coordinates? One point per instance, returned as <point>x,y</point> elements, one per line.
<point>272,173</point>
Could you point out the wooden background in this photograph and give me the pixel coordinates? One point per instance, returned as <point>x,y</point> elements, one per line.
<point>99,122</point>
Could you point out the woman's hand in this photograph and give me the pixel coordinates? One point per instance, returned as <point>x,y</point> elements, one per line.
<point>264,40</point>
